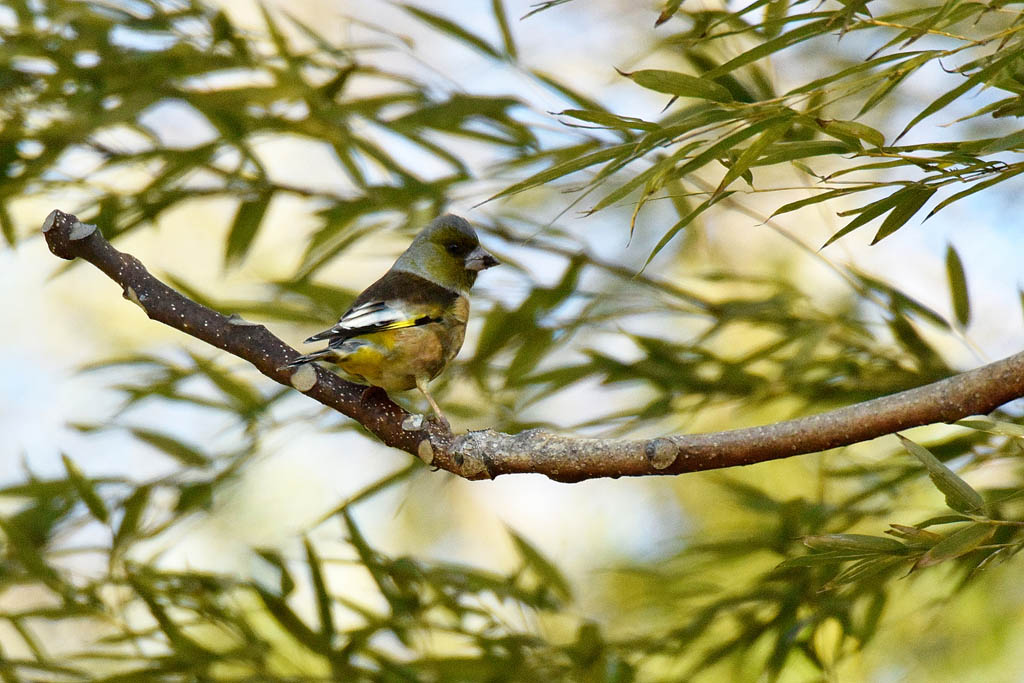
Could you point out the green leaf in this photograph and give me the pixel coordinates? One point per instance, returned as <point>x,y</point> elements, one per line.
<point>978,78</point>
<point>86,490</point>
<point>909,205</point>
<point>861,543</point>
<point>752,153</point>
<point>683,222</point>
<point>987,424</point>
<point>453,30</point>
<point>133,508</point>
<point>958,543</point>
<point>958,286</point>
<point>564,169</point>
<point>498,9</point>
<point>848,129</point>
<point>603,118</point>
<point>547,571</point>
<point>871,211</point>
<point>678,84</point>
<point>7,225</point>
<point>178,450</point>
<point>323,598</point>
<point>668,11</point>
<point>244,228</point>
<point>959,495</point>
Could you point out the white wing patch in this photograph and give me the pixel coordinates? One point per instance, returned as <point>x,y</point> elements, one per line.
<point>373,316</point>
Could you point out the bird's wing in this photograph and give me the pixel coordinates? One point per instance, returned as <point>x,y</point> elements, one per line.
<point>373,316</point>
<point>395,301</point>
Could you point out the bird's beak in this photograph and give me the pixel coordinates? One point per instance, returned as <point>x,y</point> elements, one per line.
<point>480,259</point>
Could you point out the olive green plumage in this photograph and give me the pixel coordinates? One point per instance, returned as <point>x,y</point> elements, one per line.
<point>407,326</point>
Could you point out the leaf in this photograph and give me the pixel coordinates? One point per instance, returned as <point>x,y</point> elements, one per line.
<point>682,223</point>
<point>958,543</point>
<point>668,11</point>
<point>752,153</point>
<point>498,9</point>
<point>977,187</point>
<point>603,118</point>
<point>323,598</point>
<point>564,169</point>
<point>987,424</point>
<point>958,286</point>
<point>244,228</point>
<point>678,84</point>
<point>178,450</point>
<point>86,490</point>
<point>453,30</point>
<point>7,225</point>
<point>848,129</point>
<point>871,211</point>
<point>959,495</point>
<point>547,571</point>
<point>979,77</point>
<point>862,543</point>
<point>133,507</point>
<point>903,212</point>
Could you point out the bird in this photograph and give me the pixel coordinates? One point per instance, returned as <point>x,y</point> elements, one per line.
<point>404,329</point>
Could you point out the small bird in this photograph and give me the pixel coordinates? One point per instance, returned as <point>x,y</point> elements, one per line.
<point>403,330</point>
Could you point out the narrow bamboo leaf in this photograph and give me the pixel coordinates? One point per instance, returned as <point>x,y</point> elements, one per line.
<point>178,450</point>
<point>679,84</point>
<point>958,286</point>
<point>804,149</point>
<point>855,543</point>
<point>7,225</point>
<point>987,424</point>
<point>244,228</point>
<point>86,490</point>
<point>634,183</point>
<point>894,78</point>
<point>861,572</point>
<point>977,187</point>
<point>564,169</point>
<point>814,199</point>
<point>683,222</point>
<point>869,213</point>
<point>903,212</point>
<point>603,118</point>
<point>958,543</point>
<point>797,35</point>
<point>752,153</point>
<point>133,506</point>
<point>668,11</point>
<point>942,519</point>
<point>832,79</point>
<point>959,495</point>
<point>498,9</point>
<point>453,30</point>
<point>323,598</point>
<point>547,571</point>
<point>291,622</point>
<point>977,78</point>
<point>853,129</point>
<point>916,536</point>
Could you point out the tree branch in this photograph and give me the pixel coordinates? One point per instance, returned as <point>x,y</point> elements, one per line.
<point>486,454</point>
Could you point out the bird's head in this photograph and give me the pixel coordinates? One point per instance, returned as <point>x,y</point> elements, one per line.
<point>448,253</point>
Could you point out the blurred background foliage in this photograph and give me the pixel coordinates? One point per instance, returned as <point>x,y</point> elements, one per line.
<point>663,179</point>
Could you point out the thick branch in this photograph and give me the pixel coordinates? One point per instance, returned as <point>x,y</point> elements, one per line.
<point>480,455</point>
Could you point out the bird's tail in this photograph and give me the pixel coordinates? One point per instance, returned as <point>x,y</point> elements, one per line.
<point>307,358</point>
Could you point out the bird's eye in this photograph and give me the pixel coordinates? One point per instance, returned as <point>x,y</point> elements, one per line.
<point>453,248</point>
